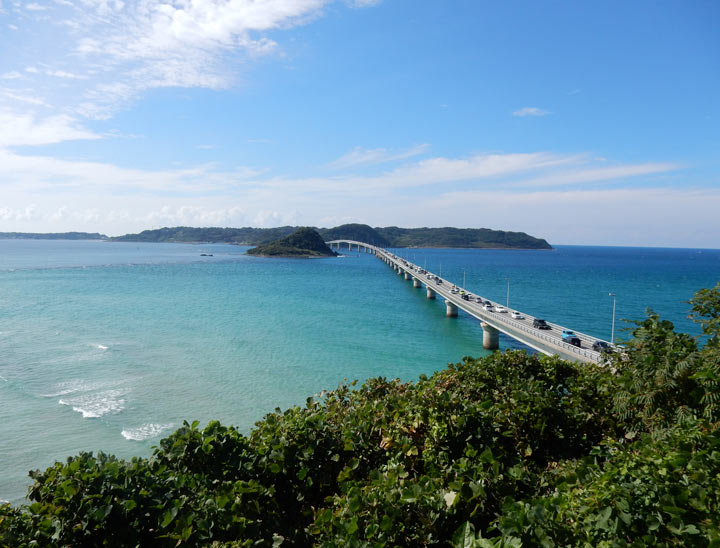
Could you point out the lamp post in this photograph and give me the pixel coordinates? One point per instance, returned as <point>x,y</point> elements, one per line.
<point>463,279</point>
<point>507,302</point>
<point>612,332</point>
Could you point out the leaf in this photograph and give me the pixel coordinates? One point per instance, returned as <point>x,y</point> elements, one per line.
<point>464,536</point>
<point>169,516</point>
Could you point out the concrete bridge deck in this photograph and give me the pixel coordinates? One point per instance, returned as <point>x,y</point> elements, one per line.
<point>547,342</point>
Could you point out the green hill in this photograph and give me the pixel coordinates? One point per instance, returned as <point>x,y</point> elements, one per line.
<point>460,237</point>
<point>304,242</point>
<point>391,236</point>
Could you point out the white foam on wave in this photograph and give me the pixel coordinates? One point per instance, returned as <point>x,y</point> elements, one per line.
<point>79,385</point>
<point>97,405</point>
<point>100,346</point>
<point>144,432</point>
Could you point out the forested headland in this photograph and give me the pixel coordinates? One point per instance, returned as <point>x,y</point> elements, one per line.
<point>508,450</point>
<point>383,237</point>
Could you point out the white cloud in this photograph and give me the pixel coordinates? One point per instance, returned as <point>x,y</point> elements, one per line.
<point>25,129</point>
<point>26,214</point>
<point>512,191</point>
<point>531,111</point>
<point>112,51</point>
<point>195,216</point>
<point>363,157</point>
<point>363,3</point>
<point>65,74</point>
<point>12,75</point>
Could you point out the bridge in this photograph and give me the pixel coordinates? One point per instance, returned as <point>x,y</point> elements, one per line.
<point>494,319</point>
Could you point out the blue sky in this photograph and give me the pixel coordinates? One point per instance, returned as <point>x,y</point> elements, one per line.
<point>579,122</point>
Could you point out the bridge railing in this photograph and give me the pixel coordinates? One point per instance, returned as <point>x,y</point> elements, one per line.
<point>501,318</point>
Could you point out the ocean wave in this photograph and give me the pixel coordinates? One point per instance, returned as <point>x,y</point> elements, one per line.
<point>79,385</point>
<point>93,406</point>
<point>144,432</point>
<point>100,346</point>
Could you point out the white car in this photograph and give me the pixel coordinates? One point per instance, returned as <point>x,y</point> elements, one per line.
<point>516,315</point>
<point>499,308</point>
<point>488,307</point>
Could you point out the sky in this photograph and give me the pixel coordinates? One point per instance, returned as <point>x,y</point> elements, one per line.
<point>580,122</point>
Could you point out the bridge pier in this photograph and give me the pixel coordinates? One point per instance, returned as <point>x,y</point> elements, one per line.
<point>407,275</point>
<point>490,336</point>
<point>451,310</point>
<point>416,283</point>
<point>399,271</point>
<point>430,293</point>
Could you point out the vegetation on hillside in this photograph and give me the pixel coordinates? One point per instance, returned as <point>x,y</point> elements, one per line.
<point>304,242</point>
<point>52,236</point>
<point>505,451</point>
<point>383,237</point>
<point>460,237</point>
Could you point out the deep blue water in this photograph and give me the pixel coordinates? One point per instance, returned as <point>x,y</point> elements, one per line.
<point>110,346</point>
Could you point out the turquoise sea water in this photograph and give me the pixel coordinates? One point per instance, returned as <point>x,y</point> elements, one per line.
<point>110,346</point>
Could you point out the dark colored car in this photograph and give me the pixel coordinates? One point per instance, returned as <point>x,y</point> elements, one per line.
<point>575,341</point>
<point>602,346</point>
<point>540,324</point>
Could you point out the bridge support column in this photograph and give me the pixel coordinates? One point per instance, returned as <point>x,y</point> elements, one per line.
<point>451,310</point>
<point>490,336</point>
<point>430,293</point>
<point>416,283</point>
<point>399,271</point>
<point>407,276</point>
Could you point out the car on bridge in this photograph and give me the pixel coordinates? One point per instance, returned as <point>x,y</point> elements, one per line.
<point>602,347</point>
<point>515,315</point>
<point>500,308</point>
<point>539,323</point>
<point>570,337</point>
<point>488,307</point>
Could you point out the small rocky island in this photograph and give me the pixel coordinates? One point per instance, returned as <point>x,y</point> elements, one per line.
<point>305,242</point>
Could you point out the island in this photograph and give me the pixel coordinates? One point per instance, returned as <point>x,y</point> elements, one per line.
<point>392,236</point>
<point>305,242</point>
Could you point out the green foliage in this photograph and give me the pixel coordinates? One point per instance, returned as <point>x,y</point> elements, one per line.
<point>656,384</point>
<point>648,493</point>
<point>505,451</point>
<point>706,311</point>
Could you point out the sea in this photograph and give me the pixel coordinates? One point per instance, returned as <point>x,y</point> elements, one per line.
<point>110,346</point>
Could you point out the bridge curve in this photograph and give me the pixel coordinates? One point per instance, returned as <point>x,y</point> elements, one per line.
<point>548,342</point>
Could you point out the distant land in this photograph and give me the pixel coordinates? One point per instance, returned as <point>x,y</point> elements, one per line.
<point>52,236</point>
<point>391,236</point>
<point>305,242</point>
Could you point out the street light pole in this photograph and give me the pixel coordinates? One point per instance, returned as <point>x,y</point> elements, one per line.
<point>612,332</point>
<point>507,302</point>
